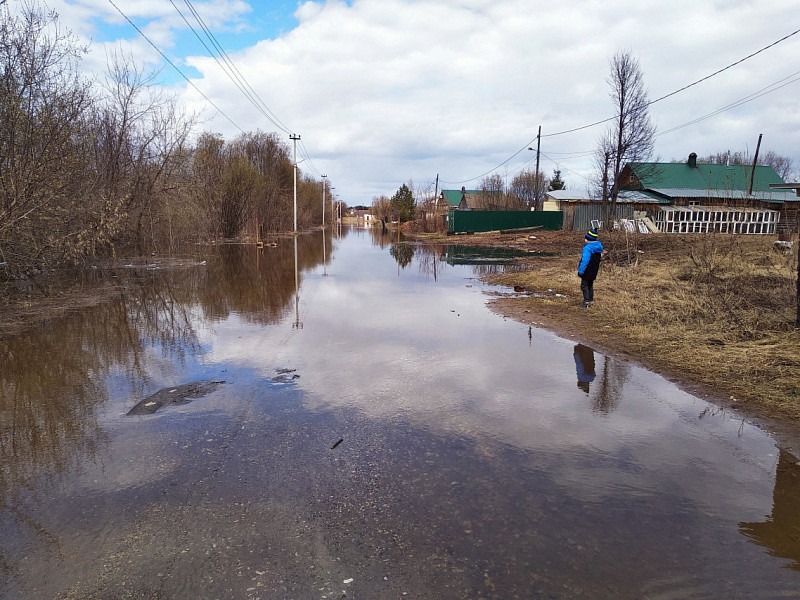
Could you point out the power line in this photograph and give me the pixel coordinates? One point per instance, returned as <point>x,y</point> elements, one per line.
<point>562,167</point>
<point>659,99</point>
<point>230,68</point>
<point>307,158</point>
<point>741,60</point>
<point>773,87</point>
<point>164,56</point>
<point>685,87</point>
<point>231,71</point>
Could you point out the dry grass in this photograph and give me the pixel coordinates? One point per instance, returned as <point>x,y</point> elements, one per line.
<point>715,310</point>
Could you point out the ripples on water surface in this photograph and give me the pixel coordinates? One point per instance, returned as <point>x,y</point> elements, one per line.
<point>479,459</point>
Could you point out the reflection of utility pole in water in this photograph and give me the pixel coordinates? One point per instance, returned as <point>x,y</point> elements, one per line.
<point>297,323</point>
<point>324,257</point>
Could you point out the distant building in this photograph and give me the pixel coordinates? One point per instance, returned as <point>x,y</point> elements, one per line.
<point>689,197</point>
<point>698,197</point>
<point>452,199</point>
<point>580,208</point>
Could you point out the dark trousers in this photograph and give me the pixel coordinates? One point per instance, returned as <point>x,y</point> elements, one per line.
<point>587,287</point>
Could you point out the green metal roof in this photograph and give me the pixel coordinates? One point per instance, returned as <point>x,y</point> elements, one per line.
<point>453,197</point>
<point>703,176</point>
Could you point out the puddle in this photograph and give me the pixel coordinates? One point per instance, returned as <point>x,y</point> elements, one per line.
<point>430,447</point>
<point>475,255</point>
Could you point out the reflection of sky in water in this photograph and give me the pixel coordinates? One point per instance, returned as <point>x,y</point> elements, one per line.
<point>395,344</point>
<point>393,355</point>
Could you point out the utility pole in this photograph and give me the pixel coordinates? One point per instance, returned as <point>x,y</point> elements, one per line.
<point>539,181</point>
<point>605,190</point>
<point>294,138</point>
<point>324,182</point>
<point>753,170</point>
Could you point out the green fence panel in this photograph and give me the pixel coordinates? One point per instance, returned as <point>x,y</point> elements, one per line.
<point>463,221</point>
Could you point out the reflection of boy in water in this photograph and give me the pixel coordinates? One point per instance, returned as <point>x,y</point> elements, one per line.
<point>584,366</point>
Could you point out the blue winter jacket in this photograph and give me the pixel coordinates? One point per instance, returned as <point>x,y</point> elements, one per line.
<point>590,259</point>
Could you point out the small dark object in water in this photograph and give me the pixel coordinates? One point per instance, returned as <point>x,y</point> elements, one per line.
<point>337,443</point>
<point>286,378</point>
<point>180,394</point>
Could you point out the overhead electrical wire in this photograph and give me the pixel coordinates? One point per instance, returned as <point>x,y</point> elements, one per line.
<point>174,66</point>
<point>561,167</point>
<point>659,99</point>
<point>773,87</point>
<point>211,53</point>
<point>307,158</point>
<point>240,80</point>
<point>229,67</point>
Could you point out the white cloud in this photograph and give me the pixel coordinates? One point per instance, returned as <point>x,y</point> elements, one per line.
<point>387,90</point>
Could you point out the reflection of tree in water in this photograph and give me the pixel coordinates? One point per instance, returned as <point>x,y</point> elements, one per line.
<point>384,237</point>
<point>608,388</point>
<point>780,533</point>
<point>402,253</point>
<point>259,284</point>
<point>429,259</point>
<point>50,384</point>
<point>53,378</point>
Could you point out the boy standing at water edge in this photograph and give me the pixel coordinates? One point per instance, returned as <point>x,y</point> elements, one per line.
<point>589,265</point>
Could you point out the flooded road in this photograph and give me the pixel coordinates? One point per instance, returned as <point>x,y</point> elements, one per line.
<point>362,426</point>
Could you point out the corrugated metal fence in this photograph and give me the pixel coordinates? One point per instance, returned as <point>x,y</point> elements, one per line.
<point>583,215</point>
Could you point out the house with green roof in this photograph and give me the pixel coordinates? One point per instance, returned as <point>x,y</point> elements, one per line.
<point>451,199</point>
<point>699,195</point>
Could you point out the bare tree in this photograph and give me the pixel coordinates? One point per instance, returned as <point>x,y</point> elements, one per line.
<point>382,208</point>
<point>492,193</point>
<point>630,136</point>
<point>528,188</point>
<point>783,165</point>
<point>50,213</point>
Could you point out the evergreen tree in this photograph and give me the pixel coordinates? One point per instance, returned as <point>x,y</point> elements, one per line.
<point>556,183</point>
<point>403,204</point>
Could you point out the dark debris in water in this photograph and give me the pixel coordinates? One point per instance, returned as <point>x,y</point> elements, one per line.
<point>285,375</point>
<point>181,394</point>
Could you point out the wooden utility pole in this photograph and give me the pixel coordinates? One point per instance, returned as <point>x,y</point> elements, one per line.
<point>539,180</point>
<point>324,182</point>
<point>753,170</point>
<point>606,214</point>
<point>294,138</point>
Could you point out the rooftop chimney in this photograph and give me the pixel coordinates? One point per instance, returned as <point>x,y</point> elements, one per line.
<point>692,162</point>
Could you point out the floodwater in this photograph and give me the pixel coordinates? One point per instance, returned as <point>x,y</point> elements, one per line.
<point>379,434</point>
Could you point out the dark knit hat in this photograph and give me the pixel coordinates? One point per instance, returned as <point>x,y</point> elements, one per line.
<point>591,235</point>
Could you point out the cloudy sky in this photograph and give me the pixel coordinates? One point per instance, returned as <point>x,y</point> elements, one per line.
<point>386,91</point>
